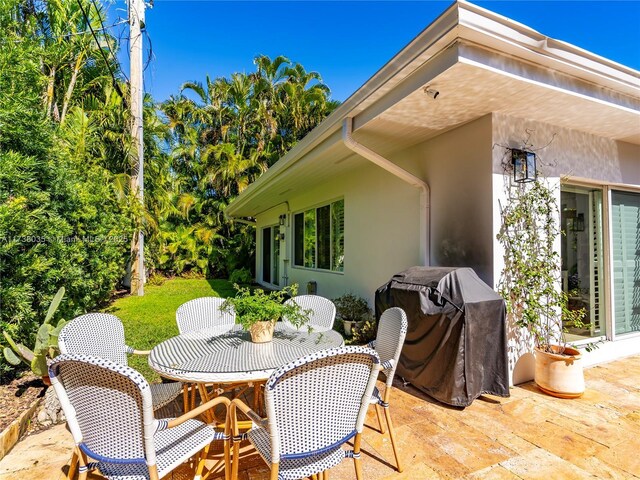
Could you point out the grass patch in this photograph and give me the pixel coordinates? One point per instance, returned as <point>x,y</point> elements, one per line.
<point>150,319</point>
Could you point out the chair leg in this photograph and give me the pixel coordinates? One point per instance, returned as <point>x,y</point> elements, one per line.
<point>380,424</point>
<point>153,472</point>
<point>73,464</point>
<point>275,467</point>
<point>356,456</point>
<point>192,400</point>
<point>202,457</point>
<point>185,397</point>
<point>82,465</point>
<point>227,448</point>
<point>392,435</point>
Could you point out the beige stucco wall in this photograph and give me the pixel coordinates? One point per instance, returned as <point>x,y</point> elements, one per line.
<point>457,166</point>
<point>382,213</point>
<point>381,231</point>
<point>562,152</point>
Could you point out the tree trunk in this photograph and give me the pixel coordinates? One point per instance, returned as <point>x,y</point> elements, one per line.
<point>49,93</point>
<point>72,84</point>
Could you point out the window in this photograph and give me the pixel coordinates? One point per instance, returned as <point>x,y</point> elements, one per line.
<point>319,237</point>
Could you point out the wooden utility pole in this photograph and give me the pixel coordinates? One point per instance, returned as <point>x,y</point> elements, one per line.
<point>136,92</point>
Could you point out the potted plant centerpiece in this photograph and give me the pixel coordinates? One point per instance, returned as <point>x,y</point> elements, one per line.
<point>530,285</point>
<point>351,310</point>
<point>258,311</point>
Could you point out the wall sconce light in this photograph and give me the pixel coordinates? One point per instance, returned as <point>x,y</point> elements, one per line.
<point>282,219</point>
<point>281,236</point>
<point>524,166</point>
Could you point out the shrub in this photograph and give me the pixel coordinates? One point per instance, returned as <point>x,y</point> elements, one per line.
<point>242,276</point>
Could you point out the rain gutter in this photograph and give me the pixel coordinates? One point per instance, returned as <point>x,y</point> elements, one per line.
<point>389,166</point>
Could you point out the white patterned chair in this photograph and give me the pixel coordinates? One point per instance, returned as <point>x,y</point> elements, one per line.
<point>314,405</point>
<point>199,314</point>
<point>109,411</point>
<point>102,335</point>
<point>202,313</point>
<point>322,312</point>
<point>392,330</point>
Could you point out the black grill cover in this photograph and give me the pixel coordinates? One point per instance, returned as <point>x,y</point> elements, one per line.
<point>456,344</point>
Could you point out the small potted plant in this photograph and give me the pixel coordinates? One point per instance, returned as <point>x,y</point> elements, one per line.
<point>258,311</point>
<point>352,310</point>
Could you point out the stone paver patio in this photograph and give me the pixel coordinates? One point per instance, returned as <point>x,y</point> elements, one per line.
<point>527,436</point>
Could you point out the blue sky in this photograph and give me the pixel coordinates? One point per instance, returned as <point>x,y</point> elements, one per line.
<point>346,42</point>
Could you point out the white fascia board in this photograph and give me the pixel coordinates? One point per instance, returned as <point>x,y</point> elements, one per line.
<point>487,28</point>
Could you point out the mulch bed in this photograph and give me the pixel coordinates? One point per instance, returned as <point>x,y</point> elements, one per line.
<point>17,396</point>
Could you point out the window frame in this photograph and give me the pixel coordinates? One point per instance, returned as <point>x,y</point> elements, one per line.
<point>315,208</point>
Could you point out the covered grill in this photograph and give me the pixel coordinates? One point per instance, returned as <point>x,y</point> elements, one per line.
<point>456,345</point>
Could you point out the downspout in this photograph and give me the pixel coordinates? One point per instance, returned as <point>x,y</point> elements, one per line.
<point>373,157</point>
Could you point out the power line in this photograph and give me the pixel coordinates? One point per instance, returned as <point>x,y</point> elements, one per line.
<point>104,56</point>
<point>108,43</point>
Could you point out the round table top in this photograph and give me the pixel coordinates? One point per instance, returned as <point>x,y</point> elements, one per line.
<point>214,357</point>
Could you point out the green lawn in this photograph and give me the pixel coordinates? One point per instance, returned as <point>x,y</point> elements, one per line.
<point>150,319</point>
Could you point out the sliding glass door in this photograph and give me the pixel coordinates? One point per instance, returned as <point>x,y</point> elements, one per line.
<point>583,270</point>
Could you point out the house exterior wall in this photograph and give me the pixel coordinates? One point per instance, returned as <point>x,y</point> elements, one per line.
<point>381,231</point>
<point>457,166</point>
<point>561,153</point>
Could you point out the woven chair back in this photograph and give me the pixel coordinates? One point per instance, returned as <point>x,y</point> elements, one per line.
<point>202,313</point>
<point>392,330</point>
<point>316,403</point>
<point>106,405</point>
<point>96,334</point>
<point>322,312</point>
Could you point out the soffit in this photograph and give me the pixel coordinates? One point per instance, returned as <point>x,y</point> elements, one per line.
<point>467,92</point>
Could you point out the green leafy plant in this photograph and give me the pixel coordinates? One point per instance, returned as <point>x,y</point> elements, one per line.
<point>531,275</point>
<point>241,276</point>
<point>46,344</point>
<point>252,306</point>
<point>351,311</point>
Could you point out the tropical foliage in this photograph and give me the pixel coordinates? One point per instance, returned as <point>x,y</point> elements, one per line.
<point>224,134</point>
<point>62,142</point>
<point>67,214</point>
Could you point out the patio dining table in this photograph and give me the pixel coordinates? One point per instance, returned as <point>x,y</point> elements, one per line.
<point>212,356</point>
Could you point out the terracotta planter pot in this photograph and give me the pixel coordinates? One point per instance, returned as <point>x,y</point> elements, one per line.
<point>262,332</point>
<point>560,375</point>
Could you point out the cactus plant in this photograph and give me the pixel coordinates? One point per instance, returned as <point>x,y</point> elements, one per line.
<point>46,345</point>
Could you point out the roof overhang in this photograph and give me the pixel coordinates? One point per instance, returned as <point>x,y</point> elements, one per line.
<point>480,63</point>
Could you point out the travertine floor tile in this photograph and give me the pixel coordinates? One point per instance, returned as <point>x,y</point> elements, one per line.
<point>527,436</point>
